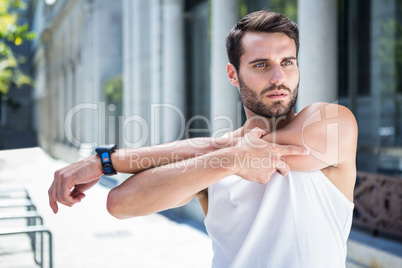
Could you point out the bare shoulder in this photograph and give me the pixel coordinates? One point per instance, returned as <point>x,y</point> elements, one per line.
<point>334,122</point>
<point>339,118</point>
<point>341,130</point>
<point>327,111</point>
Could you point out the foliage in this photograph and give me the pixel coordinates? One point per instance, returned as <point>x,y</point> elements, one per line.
<point>243,8</point>
<point>286,7</point>
<point>12,33</point>
<point>114,89</point>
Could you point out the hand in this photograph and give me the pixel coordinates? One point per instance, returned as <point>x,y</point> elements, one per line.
<point>71,182</point>
<point>256,160</point>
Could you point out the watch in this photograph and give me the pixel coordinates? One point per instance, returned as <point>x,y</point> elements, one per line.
<point>104,152</point>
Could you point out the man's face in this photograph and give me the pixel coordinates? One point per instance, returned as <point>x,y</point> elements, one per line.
<point>268,75</point>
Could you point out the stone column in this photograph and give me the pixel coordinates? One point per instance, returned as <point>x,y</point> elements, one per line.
<point>61,79</point>
<point>46,116</point>
<point>89,129</point>
<point>53,93</point>
<point>97,37</point>
<point>224,97</point>
<point>318,52</point>
<point>68,92</point>
<point>128,23</point>
<point>132,56</point>
<point>156,72</point>
<point>78,76</point>
<point>78,88</point>
<point>173,79</point>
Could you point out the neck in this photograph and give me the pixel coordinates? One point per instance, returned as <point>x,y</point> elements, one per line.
<point>266,124</point>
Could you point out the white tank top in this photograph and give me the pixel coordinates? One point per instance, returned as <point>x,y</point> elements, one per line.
<point>299,220</point>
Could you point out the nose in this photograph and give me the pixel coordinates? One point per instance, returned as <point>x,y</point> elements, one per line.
<point>277,75</point>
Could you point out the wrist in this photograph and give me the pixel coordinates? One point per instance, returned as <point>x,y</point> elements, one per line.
<point>222,143</point>
<point>223,159</point>
<point>96,163</point>
<point>238,160</point>
<point>105,155</point>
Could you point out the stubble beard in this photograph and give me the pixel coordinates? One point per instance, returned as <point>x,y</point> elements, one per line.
<point>255,104</point>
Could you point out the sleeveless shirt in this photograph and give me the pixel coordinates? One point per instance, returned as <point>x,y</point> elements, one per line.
<point>299,220</point>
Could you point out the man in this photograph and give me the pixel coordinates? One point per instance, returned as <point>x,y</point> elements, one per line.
<point>268,201</point>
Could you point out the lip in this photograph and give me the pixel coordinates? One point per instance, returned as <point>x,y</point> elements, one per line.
<point>277,94</point>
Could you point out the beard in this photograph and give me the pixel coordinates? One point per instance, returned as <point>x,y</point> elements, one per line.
<point>255,103</point>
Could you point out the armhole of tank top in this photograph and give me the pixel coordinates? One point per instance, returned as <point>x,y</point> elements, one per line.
<point>210,197</point>
<point>334,188</point>
<point>348,224</point>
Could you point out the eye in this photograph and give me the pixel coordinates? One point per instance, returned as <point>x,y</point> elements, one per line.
<point>260,65</point>
<point>287,63</point>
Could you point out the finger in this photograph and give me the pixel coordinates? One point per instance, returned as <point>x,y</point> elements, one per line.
<point>62,193</point>
<point>282,167</point>
<point>235,141</point>
<point>291,150</point>
<point>254,140</point>
<point>52,201</point>
<point>258,132</point>
<point>53,205</point>
<point>77,196</point>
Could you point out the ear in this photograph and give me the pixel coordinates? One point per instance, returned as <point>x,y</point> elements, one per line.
<point>232,74</point>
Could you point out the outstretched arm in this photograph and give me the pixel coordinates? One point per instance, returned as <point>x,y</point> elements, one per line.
<point>71,182</point>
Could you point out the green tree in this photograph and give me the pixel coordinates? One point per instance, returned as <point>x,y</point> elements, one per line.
<point>11,33</point>
<point>286,7</point>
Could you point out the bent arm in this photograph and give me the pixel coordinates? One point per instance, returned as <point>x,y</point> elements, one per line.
<point>328,131</point>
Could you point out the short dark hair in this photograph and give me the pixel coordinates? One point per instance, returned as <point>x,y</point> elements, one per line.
<point>259,21</point>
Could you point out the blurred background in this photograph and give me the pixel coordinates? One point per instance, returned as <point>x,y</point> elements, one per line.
<point>75,74</point>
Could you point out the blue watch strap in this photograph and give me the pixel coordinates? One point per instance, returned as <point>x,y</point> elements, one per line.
<point>104,152</point>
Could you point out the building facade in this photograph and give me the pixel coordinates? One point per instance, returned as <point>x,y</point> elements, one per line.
<point>138,73</point>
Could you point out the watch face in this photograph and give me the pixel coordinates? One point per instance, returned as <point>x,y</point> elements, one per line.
<point>105,157</point>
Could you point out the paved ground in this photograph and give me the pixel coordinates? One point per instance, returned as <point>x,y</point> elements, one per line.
<point>86,235</point>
